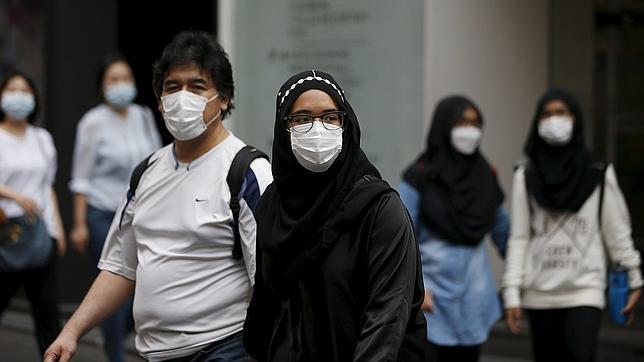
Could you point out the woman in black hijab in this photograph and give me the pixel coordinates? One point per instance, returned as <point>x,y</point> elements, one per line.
<point>338,274</point>
<point>567,211</point>
<point>454,199</point>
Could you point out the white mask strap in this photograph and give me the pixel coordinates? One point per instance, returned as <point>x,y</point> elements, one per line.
<point>213,118</point>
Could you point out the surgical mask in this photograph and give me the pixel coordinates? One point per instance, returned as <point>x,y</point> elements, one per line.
<point>120,94</point>
<point>556,130</point>
<point>17,105</point>
<point>466,139</point>
<point>316,149</point>
<point>183,114</point>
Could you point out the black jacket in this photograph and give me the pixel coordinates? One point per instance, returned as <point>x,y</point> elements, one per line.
<point>358,301</point>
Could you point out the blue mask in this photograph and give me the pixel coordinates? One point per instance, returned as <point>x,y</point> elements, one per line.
<point>17,105</point>
<point>120,95</point>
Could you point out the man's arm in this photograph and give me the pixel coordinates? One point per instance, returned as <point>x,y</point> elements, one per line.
<point>107,293</point>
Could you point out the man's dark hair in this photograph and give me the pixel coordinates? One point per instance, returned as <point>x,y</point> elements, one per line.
<point>16,73</point>
<point>202,49</point>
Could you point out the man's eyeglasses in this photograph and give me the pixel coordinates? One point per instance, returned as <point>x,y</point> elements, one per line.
<point>302,123</point>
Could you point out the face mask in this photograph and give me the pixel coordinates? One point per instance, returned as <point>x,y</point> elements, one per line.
<point>316,149</point>
<point>183,114</point>
<point>120,94</point>
<point>466,139</point>
<point>17,105</point>
<point>556,130</point>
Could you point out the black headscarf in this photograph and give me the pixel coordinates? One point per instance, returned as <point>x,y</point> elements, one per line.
<point>459,193</point>
<point>560,177</point>
<point>302,211</point>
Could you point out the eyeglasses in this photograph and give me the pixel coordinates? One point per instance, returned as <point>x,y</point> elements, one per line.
<point>302,123</point>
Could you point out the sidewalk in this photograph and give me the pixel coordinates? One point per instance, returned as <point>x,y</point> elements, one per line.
<point>18,343</point>
<point>623,344</point>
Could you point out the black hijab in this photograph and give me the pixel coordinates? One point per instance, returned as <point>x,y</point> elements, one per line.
<point>560,177</point>
<point>459,193</point>
<point>302,211</point>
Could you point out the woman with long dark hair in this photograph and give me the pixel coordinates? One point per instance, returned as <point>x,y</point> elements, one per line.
<point>454,199</point>
<point>567,212</point>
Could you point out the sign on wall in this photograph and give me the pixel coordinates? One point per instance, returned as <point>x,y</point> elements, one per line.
<point>372,48</point>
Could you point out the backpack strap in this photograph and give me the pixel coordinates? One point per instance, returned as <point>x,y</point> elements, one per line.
<point>134,182</point>
<point>235,179</point>
<point>603,167</point>
<point>525,164</point>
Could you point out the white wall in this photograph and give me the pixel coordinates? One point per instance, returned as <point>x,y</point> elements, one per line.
<point>373,48</point>
<point>495,52</point>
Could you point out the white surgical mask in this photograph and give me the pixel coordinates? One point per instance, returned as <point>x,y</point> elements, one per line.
<point>120,94</point>
<point>183,114</point>
<point>556,130</point>
<point>17,105</point>
<point>466,139</point>
<point>316,149</point>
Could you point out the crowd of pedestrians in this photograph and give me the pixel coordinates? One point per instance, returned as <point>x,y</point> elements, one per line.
<point>211,253</point>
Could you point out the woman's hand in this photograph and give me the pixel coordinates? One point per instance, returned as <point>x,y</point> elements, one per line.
<point>61,245</point>
<point>513,319</point>
<point>428,302</point>
<point>80,237</point>
<point>629,310</point>
<point>27,204</point>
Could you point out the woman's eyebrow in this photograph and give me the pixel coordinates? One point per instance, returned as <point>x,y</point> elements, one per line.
<point>308,111</point>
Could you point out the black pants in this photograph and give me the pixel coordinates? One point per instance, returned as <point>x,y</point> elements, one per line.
<point>42,291</point>
<point>454,353</point>
<point>567,334</point>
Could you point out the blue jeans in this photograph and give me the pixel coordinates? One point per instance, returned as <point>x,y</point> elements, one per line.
<point>229,349</point>
<point>116,327</point>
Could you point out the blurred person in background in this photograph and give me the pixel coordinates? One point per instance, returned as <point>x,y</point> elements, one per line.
<point>111,139</point>
<point>454,199</point>
<point>563,223</point>
<point>28,167</point>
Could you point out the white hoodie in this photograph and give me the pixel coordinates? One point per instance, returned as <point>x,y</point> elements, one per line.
<point>558,259</point>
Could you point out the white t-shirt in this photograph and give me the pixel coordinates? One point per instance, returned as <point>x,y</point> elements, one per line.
<point>175,241</point>
<point>107,150</point>
<point>28,166</point>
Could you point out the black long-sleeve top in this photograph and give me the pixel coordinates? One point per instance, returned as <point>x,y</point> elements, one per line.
<point>360,301</point>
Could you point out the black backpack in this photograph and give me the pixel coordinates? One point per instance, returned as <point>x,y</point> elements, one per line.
<point>235,178</point>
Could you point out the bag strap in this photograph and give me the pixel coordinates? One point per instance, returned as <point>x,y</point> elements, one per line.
<point>603,167</point>
<point>525,164</point>
<point>235,179</point>
<point>135,178</point>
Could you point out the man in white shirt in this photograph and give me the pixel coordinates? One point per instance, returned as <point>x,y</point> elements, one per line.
<point>171,243</point>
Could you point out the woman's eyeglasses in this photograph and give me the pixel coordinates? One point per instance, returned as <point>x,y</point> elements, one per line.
<point>302,123</point>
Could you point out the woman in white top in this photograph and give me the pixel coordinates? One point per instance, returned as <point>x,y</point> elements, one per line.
<point>27,173</point>
<point>556,260</point>
<point>111,139</point>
